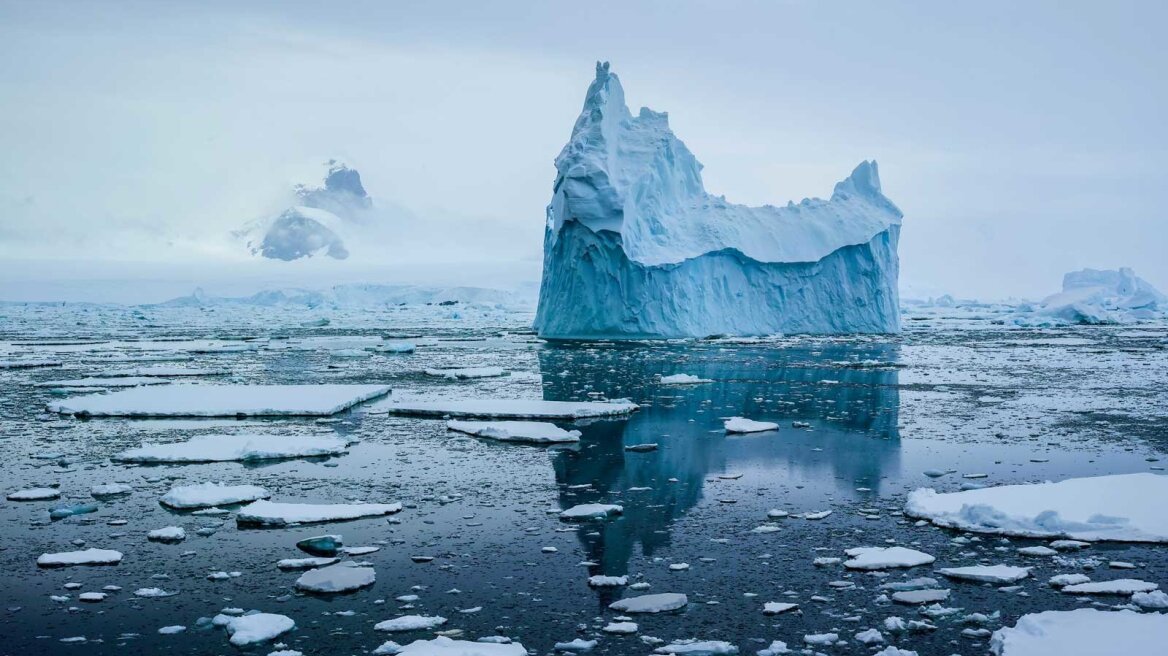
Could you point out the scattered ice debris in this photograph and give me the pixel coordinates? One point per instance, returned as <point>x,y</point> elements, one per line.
<point>163,371</point>
<point>694,647</point>
<point>620,628</point>
<point>600,581</point>
<point>170,534</point>
<point>744,425</point>
<point>86,557</point>
<point>917,597</point>
<point>342,577</point>
<point>321,545</point>
<point>515,431</point>
<point>653,603</point>
<point>510,408</point>
<point>987,573</point>
<point>1154,600</point>
<point>267,513</point>
<point>777,607</point>
<point>243,448</point>
<point>591,511</point>
<point>206,495</point>
<point>577,645</point>
<point>35,494</point>
<point>1114,586</point>
<point>683,379</point>
<point>223,576</point>
<point>872,558</point>
<point>410,623</point>
<point>1086,631</point>
<point>258,627</point>
<point>468,373</point>
<point>444,646</point>
<point>109,490</point>
<point>1120,507</point>
<point>221,401</point>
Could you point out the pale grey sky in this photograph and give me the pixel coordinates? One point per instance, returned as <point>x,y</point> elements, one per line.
<point>1022,140</point>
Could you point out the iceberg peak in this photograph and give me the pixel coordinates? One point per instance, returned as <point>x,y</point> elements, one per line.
<point>629,200</point>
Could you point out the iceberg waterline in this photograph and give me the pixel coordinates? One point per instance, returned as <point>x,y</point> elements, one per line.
<point>635,247</point>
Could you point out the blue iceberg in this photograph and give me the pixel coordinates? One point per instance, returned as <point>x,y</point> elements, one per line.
<point>634,246</point>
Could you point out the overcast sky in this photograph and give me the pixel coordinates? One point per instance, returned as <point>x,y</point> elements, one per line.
<point>1021,140</point>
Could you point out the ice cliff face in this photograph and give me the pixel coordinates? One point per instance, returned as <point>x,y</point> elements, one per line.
<point>635,247</point>
<point>314,226</point>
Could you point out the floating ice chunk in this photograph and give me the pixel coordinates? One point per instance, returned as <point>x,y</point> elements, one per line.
<point>468,373</point>
<point>86,557</point>
<point>162,371</point>
<point>1154,600</point>
<point>206,495</point>
<point>1037,551</point>
<point>515,431</point>
<point>387,648</point>
<point>766,528</point>
<point>620,628</point>
<point>321,545</point>
<point>653,603</point>
<point>1083,631</point>
<point>697,648</point>
<point>410,623</point>
<point>588,511</point>
<point>870,558</point>
<point>35,494</point>
<point>443,646</point>
<point>776,648</point>
<point>744,425</point>
<point>822,514</point>
<point>168,534</point>
<point>222,401</point>
<point>987,573</point>
<point>1068,579</point>
<point>128,381</point>
<point>172,629</point>
<point>395,347</point>
<point>259,627</point>
<point>1122,507</point>
<point>267,513</point>
<point>577,645</point>
<point>1068,545</point>
<point>509,408</point>
<point>894,651</point>
<point>821,639</point>
<point>1114,586</point>
<point>870,637</point>
<point>343,577</point>
<point>153,593</point>
<point>226,448</point>
<point>109,490</point>
<point>92,597</point>
<point>61,512</point>
<point>600,581</point>
<point>915,597</point>
<point>777,607</point>
<point>683,379</point>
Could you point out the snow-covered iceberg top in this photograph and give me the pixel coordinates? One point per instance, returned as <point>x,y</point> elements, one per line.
<point>1125,508</point>
<point>1093,296</point>
<point>631,175</point>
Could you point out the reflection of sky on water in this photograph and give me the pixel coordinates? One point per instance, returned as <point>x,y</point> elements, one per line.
<point>853,442</point>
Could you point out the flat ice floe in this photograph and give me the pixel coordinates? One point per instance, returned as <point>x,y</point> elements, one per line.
<point>443,646</point>
<point>221,401</point>
<point>510,408</point>
<point>343,577</point>
<point>243,448</point>
<point>410,623</point>
<point>267,513</point>
<point>35,494</point>
<point>166,372</point>
<point>207,495</point>
<point>84,557</point>
<point>540,432</point>
<point>653,603</point>
<point>744,425</point>
<point>872,558</point>
<point>1083,632</point>
<point>306,563</point>
<point>1123,507</point>
<point>259,627</point>
<point>986,573</point>
<point>1114,586</point>
<point>695,647</point>
<point>125,381</point>
<point>684,379</point>
<point>587,511</point>
<point>468,373</point>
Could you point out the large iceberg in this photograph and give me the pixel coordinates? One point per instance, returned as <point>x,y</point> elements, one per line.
<point>1093,296</point>
<point>635,247</point>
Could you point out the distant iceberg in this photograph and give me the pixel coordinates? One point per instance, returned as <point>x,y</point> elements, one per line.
<point>635,247</point>
<point>1093,296</point>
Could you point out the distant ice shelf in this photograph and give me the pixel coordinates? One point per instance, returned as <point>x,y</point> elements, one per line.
<point>634,246</point>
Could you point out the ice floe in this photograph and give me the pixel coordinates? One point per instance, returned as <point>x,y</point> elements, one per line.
<point>267,513</point>
<point>744,425</point>
<point>1122,507</point>
<point>652,603</point>
<point>872,558</point>
<point>468,373</point>
<point>84,557</point>
<point>683,379</point>
<point>509,408</point>
<point>243,448</point>
<point>1082,632</point>
<point>35,494</point>
<point>306,563</point>
<point>1114,586</point>
<point>515,431</point>
<point>444,646</point>
<point>695,647</point>
<point>122,381</point>
<point>221,401</point>
<point>986,573</point>
<point>410,623</point>
<point>343,577</point>
<point>587,511</point>
<point>206,495</point>
<point>170,534</point>
<point>258,627</point>
<point>106,490</point>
